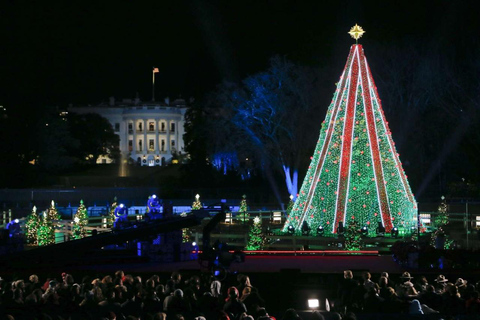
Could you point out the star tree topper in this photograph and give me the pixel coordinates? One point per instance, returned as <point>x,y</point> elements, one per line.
<point>356,32</point>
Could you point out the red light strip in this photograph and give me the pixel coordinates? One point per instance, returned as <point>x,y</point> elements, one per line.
<point>347,141</point>
<point>341,252</point>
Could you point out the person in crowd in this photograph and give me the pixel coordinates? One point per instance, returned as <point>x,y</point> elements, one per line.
<point>373,301</point>
<point>367,281</point>
<point>461,286</point>
<point>452,304</point>
<point>441,283</point>
<point>431,298</point>
<point>346,290</point>
<point>233,306</point>
<point>415,307</point>
<point>421,284</point>
<point>291,314</point>
<point>243,281</point>
<point>406,290</point>
<point>252,300</point>
<point>391,303</point>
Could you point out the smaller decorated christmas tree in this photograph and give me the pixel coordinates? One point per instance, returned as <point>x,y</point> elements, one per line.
<point>442,216</point>
<point>242,214</point>
<point>32,225</point>
<point>111,213</point>
<point>439,238</point>
<point>256,238</point>
<point>46,231</point>
<point>186,233</point>
<point>353,237</point>
<point>197,205</point>
<point>80,221</point>
<point>52,212</point>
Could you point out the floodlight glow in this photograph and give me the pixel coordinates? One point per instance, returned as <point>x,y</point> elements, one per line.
<point>313,303</point>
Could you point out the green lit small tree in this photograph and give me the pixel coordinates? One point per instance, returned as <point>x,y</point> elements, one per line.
<point>256,238</point>
<point>46,231</point>
<point>52,212</point>
<point>80,221</point>
<point>242,214</point>
<point>32,225</point>
<point>442,216</point>
<point>439,238</point>
<point>353,237</point>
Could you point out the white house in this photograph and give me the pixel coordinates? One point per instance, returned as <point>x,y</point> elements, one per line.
<point>150,132</point>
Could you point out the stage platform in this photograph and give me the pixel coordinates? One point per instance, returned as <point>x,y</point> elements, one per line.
<point>267,264</point>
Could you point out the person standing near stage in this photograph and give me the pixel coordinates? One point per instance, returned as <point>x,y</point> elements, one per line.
<point>346,292</point>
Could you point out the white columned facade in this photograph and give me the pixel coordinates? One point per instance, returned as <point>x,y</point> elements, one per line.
<point>123,113</point>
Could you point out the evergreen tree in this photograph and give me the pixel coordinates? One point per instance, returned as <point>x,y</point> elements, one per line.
<point>52,212</point>
<point>46,231</point>
<point>353,237</point>
<point>111,213</point>
<point>439,239</point>
<point>197,205</point>
<point>80,221</point>
<point>355,170</point>
<point>242,214</point>
<point>32,225</point>
<point>256,238</point>
<point>441,218</point>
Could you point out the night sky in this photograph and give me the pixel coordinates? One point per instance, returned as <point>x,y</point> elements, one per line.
<point>56,53</point>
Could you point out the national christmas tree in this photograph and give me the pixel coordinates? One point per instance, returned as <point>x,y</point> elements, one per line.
<point>80,221</point>
<point>355,173</point>
<point>32,225</point>
<point>197,205</point>
<point>256,237</point>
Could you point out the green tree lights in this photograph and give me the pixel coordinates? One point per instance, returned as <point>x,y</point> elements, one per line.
<point>353,237</point>
<point>111,213</point>
<point>256,238</point>
<point>32,225</point>
<point>242,214</point>
<point>355,173</point>
<point>80,221</point>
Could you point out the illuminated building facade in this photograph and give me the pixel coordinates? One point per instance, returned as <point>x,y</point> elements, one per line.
<point>151,133</point>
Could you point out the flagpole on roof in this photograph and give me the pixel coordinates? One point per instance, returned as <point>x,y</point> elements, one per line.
<point>155,70</point>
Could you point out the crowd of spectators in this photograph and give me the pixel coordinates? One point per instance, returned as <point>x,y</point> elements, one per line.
<point>122,296</point>
<point>408,296</point>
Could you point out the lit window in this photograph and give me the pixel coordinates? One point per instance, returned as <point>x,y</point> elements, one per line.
<point>425,218</point>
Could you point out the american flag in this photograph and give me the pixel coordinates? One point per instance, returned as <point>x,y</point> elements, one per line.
<point>155,70</point>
